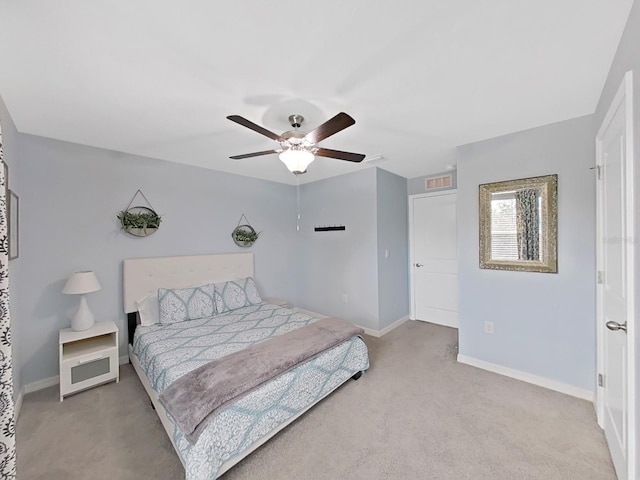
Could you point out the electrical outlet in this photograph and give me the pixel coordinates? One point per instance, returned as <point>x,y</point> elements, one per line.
<point>387,254</point>
<point>345,298</point>
<point>488,328</point>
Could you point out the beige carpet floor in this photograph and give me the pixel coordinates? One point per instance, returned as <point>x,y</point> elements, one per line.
<point>416,414</point>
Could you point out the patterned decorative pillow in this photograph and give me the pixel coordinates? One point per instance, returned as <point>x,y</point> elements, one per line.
<point>236,294</point>
<point>178,305</point>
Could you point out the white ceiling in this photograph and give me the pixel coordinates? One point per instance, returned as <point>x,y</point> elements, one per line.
<point>158,78</point>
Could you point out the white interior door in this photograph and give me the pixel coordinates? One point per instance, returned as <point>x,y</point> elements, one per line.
<point>434,262</point>
<point>615,283</point>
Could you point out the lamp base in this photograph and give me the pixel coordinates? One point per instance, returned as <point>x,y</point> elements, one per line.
<point>84,319</point>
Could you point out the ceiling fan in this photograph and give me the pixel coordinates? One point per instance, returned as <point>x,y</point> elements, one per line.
<point>298,149</point>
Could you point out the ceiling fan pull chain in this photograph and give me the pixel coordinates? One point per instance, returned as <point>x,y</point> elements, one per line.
<point>298,202</point>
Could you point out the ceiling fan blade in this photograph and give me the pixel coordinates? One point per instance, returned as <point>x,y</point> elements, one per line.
<point>254,154</point>
<point>256,128</point>
<point>328,128</point>
<point>348,156</point>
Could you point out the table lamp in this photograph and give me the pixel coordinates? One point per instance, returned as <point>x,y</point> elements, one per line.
<point>81,283</point>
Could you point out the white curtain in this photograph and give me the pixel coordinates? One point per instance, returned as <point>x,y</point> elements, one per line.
<point>7,417</point>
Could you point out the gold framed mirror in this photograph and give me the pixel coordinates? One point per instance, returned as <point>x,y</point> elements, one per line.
<point>519,225</point>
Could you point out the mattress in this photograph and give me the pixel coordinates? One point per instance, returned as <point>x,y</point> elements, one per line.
<point>166,352</point>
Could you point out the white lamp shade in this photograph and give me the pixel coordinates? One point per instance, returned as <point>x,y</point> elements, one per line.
<point>297,161</point>
<point>82,282</point>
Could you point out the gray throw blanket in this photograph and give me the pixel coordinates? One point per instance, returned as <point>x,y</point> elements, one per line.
<point>194,396</point>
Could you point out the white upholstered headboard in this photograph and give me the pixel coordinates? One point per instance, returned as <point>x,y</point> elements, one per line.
<point>143,276</point>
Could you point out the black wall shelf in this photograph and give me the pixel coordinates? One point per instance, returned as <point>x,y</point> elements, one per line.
<point>330,229</point>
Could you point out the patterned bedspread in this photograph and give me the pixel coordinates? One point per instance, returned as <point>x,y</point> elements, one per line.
<point>166,352</point>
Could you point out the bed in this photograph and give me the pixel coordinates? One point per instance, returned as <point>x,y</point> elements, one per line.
<point>161,354</point>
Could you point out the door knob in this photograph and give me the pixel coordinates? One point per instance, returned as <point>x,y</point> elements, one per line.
<point>419,265</point>
<point>615,326</point>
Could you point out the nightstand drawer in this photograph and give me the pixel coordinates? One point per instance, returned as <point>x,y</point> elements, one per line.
<point>86,371</point>
<point>90,369</point>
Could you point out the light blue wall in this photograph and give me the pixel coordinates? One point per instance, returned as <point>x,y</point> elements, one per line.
<point>339,262</point>
<point>69,197</point>
<point>416,185</point>
<point>70,194</point>
<point>10,149</point>
<point>628,58</point>
<point>544,323</point>
<point>393,272</point>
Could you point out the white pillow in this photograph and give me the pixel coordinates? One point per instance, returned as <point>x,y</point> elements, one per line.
<point>148,310</point>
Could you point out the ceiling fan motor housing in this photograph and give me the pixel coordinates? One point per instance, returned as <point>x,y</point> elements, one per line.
<point>295,138</point>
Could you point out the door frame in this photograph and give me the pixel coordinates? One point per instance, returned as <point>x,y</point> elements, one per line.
<point>412,300</point>
<point>623,95</point>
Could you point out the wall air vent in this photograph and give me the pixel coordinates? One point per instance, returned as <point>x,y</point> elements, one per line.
<point>433,183</point>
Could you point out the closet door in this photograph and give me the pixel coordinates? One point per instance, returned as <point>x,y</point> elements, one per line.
<point>434,262</point>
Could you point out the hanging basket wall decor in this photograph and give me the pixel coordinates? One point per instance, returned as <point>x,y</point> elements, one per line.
<point>244,235</point>
<point>139,221</point>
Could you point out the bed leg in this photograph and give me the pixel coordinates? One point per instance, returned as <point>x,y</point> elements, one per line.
<point>357,376</point>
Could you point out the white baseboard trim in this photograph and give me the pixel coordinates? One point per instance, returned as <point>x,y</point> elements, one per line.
<point>385,330</point>
<point>41,384</point>
<point>367,330</point>
<point>51,381</point>
<point>528,377</point>
<point>17,404</point>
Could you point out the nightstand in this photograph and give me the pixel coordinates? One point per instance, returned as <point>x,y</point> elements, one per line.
<point>277,301</point>
<point>88,358</point>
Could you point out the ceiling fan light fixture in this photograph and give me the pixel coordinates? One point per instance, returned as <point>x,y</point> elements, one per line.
<point>297,160</point>
<point>298,149</point>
